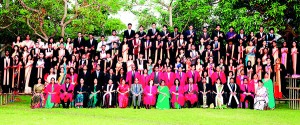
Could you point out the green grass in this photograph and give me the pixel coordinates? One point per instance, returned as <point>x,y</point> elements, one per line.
<point>21,113</point>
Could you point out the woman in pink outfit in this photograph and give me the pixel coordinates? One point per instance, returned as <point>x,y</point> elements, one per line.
<point>150,92</point>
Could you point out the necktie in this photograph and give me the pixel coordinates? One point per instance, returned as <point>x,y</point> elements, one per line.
<point>180,75</point>
<point>216,44</point>
<point>136,88</point>
<point>246,88</point>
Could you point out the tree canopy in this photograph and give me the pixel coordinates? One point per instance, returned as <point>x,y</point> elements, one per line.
<point>46,18</point>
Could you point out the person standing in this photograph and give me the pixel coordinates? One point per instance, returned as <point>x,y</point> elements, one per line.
<point>6,64</point>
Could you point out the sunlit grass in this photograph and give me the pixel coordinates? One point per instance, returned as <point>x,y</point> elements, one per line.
<point>21,113</point>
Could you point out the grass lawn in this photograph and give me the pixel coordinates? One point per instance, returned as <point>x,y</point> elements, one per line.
<point>21,113</point>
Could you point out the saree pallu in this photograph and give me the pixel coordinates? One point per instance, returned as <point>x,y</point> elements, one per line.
<point>163,101</point>
<point>93,100</point>
<point>270,90</point>
<point>123,100</point>
<point>37,101</point>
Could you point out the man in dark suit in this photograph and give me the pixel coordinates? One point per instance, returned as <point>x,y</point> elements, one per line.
<point>261,36</point>
<point>221,36</point>
<point>241,35</point>
<point>142,33</point>
<point>164,33</point>
<point>218,33</point>
<point>91,44</point>
<point>112,76</point>
<point>270,38</point>
<point>86,75</point>
<point>98,74</point>
<point>79,42</point>
<point>175,35</point>
<point>205,36</point>
<point>191,33</point>
<point>129,33</point>
<point>153,32</point>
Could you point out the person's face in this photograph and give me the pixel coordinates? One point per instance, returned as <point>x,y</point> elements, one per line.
<point>242,72</point>
<point>250,43</point>
<point>145,71</point>
<point>95,81</point>
<point>162,83</point>
<point>91,36</point>
<point>204,30</point>
<point>81,81</point>
<point>153,26</point>
<point>181,36</point>
<point>85,68</point>
<point>52,80</point>
<point>284,44</point>
<point>136,81</point>
<point>218,28</point>
<point>111,71</point>
<point>18,38</point>
<point>245,81</point>
<point>231,80</point>
<point>6,53</point>
<point>133,67</point>
<point>164,28</point>
<point>129,26</point>
<point>156,69</point>
<point>41,55</point>
<point>294,44</point>
<point>27,37</point>
<point>123,82</point>
<point>177,82</point>
<point>110,82</point>
<point>218,69</point>
<point>205,74</point>
<point>274,44</point>
<point>151,82</point>
<point>231,29</point>
<point>255,76</point>
<point>266,75</point>
<point>114,33</point>
<point>241,31</point>
<point>68,80</point>
<point>191,27</point>
<point>141,28</point>
<point>218,81</point>
<point>272,31</point>
<point>79,35</point>
<point>72,70</point>
<point>259,84</point>
<point>215,38</point>
<point>169,38</point>
<point>39,81</point>
<point>261,29</point>
<point>180,69</point>
<point>176,29</point>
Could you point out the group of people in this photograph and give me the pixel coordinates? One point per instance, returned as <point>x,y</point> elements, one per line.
<point>159,69</point>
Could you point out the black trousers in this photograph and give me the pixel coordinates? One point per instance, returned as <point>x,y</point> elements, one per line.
<point>250,100</point>
<point>63,103</point>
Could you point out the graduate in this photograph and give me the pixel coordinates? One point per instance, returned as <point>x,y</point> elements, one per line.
<point>232,93</point>
<point>6,64</point>
<point>80,94</point>
<point>205,93</point>
<point>109,97</point>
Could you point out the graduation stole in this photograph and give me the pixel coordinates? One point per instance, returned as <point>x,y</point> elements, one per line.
<point>230,97</point>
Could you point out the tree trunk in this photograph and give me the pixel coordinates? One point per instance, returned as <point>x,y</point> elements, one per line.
<point>7,4</point>
<point>63,30</point>
<point>170,16</point>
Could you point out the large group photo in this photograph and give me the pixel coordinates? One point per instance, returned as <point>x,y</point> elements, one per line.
<point>159,69</point>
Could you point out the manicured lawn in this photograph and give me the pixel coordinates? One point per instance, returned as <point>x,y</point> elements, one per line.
<point>20,113</point>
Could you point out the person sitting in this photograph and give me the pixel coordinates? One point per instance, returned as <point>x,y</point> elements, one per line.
<point>136,91</point>
<point>247,94</point>
<point>261,96</point>
<point>66,93</point>
<point>109,99</point>
<point>191,90</point>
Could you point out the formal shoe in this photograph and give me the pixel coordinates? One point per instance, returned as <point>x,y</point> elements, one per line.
<point>138,107</point>
<point>134,107</point>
